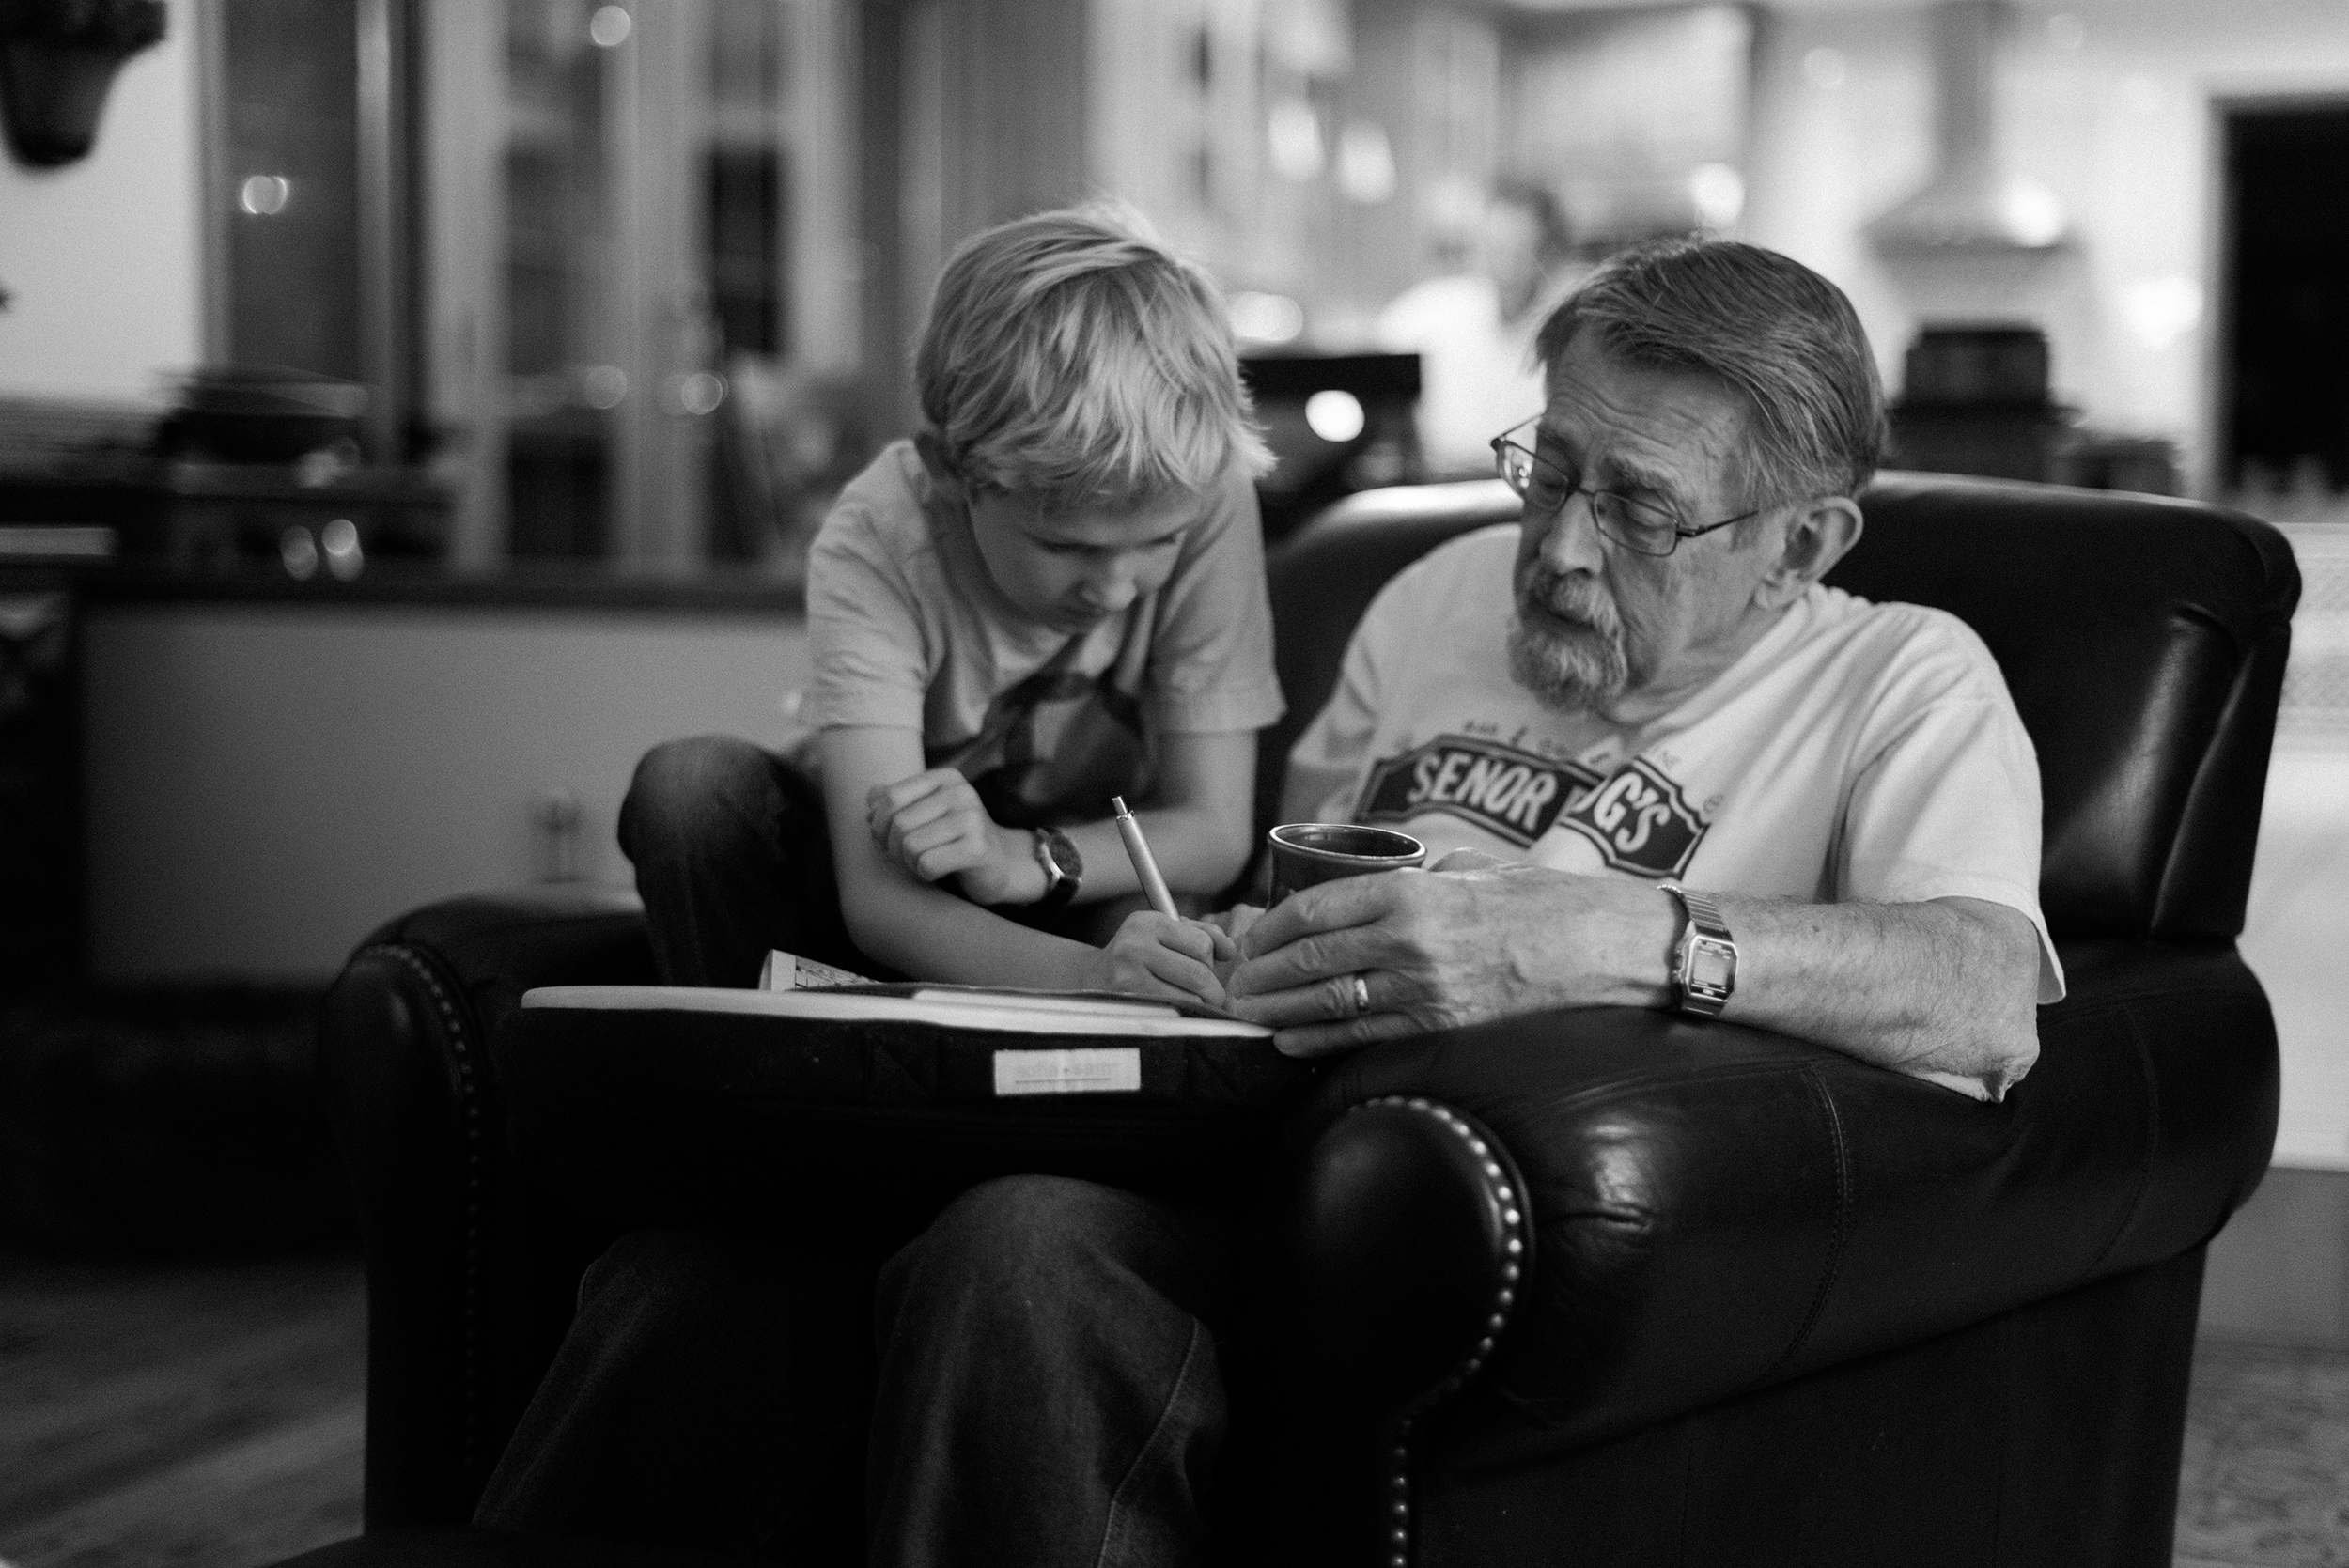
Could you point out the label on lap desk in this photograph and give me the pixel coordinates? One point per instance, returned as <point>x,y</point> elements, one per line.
<point>1098,1070</point>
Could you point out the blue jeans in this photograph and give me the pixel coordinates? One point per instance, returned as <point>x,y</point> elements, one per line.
<point>1046,1389</point>
<point>732,858</point>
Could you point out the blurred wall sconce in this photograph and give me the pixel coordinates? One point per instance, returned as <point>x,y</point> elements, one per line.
<point>610,27</point>
<point>1365,163</point>
<point>57,62</point>
<point>2159,311</point>
<point>264,195</point>
<point>555,819</point>
<point>1717,192</point>
<point>1335,415</point>
<point>1260,317</point>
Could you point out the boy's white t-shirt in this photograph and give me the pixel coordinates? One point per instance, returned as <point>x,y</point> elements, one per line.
<point>1858,751</point>
<point>909,630</point>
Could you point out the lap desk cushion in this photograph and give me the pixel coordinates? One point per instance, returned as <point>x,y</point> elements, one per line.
<point>820,1109</point>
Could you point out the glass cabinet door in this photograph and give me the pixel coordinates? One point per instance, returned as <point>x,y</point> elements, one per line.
<point>618,196</point>
<point>564,383</point>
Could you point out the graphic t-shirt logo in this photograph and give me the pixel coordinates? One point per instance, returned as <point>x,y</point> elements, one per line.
<point>1054,747</point>
<point>1640,821</point>
<point>1511,794</point>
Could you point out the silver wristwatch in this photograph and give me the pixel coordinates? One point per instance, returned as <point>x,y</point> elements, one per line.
<point>1705,964</point>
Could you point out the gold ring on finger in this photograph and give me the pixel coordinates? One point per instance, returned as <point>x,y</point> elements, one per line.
<point>1349,1001</point>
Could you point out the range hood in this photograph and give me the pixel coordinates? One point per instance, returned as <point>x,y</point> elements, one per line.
<point>1974,202</point>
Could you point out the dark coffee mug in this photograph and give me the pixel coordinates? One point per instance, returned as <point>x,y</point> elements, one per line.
<point>1306,853</point>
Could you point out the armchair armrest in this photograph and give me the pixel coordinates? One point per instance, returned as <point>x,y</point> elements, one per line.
<point>1708,1209</point>
<point>469,1268</point>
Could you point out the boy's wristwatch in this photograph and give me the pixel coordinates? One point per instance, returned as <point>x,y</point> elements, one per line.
<point>1705,964</point>
<point>1064,868</point>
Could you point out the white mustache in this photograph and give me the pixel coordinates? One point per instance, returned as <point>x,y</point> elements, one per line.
<point>1569,598</point>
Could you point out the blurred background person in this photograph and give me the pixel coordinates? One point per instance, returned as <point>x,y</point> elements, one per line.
<point>1473,329</point>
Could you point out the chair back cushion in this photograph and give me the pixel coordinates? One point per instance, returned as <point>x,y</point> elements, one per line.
<point>2143,639</point>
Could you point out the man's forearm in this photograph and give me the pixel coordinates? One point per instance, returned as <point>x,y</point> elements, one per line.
<point>1945,990</point>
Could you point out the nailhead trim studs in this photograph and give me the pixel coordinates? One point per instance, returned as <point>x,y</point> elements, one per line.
<point>1513,1250</point>
<point>464,1057</point>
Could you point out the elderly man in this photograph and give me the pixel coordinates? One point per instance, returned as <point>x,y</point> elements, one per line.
<point>1642,689</point>
<point>1643,681</point>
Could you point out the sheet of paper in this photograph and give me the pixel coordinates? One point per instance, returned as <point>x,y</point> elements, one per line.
<point>1002,1012</point>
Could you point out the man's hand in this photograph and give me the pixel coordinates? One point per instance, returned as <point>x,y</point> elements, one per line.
<point>1942,989</point>
<point>1475,938</point>
<point>933,824</point>
<point>1158,955</point>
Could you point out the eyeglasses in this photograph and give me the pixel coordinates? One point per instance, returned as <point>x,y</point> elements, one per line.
<point>1635,525</point>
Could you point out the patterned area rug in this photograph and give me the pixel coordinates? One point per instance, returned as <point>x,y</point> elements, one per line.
<point>2266,1479</point>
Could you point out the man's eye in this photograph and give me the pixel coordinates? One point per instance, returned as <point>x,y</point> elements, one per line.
<point>1546,487</point>
<point>1648,515</point>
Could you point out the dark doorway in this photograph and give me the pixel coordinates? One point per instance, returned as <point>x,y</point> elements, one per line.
<point>2286,359</point>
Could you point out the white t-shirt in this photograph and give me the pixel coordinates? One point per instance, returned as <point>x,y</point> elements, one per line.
<point>910,631</point>
<point>1858,751</point>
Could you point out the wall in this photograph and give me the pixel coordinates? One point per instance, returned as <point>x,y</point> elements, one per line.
<point>2115,118</point>
<point>2296,929</point>
<point>269,783</point>
<point>101,256</point>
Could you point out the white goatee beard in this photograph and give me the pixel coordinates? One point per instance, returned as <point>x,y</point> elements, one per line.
<point>1570,671</point>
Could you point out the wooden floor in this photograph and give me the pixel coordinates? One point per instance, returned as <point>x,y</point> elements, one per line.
<point>188,1417</point>
<point>209,1417</point>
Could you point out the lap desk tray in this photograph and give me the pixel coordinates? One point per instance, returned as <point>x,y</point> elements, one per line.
<point>809,1106</point>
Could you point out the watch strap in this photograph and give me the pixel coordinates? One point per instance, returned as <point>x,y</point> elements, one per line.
<point>1064,868</point>
<point>1707,933</point>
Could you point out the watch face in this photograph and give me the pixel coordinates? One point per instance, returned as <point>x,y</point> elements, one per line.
<point>1712,966</point>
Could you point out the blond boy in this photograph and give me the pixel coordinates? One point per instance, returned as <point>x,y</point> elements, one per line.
<point>1054,595</point>
<point>1051,594</point>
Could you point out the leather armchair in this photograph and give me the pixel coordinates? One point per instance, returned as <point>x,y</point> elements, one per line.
<point>1607,1287</point>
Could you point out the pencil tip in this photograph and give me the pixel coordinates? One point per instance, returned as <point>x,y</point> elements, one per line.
<point>1118,804</point>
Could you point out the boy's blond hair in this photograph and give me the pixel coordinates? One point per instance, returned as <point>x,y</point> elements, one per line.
<point>1070,355</point>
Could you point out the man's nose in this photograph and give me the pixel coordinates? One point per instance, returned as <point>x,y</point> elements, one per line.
<point>1570,541</point>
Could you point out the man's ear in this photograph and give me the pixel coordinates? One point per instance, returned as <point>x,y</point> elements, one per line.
<point>1817,537</point>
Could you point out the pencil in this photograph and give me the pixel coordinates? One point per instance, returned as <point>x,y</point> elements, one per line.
<point>1145,865</point>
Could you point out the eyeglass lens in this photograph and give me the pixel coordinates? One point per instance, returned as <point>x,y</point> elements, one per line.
<point>1547,488</point>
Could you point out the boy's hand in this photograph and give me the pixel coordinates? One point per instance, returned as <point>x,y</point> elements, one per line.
<point>1158,955</point>
<point>1232,923</point>
<point>933,824</point>
<point>1235,922</point>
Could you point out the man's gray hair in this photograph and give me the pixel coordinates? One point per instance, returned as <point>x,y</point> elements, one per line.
<point>1781,337</point>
